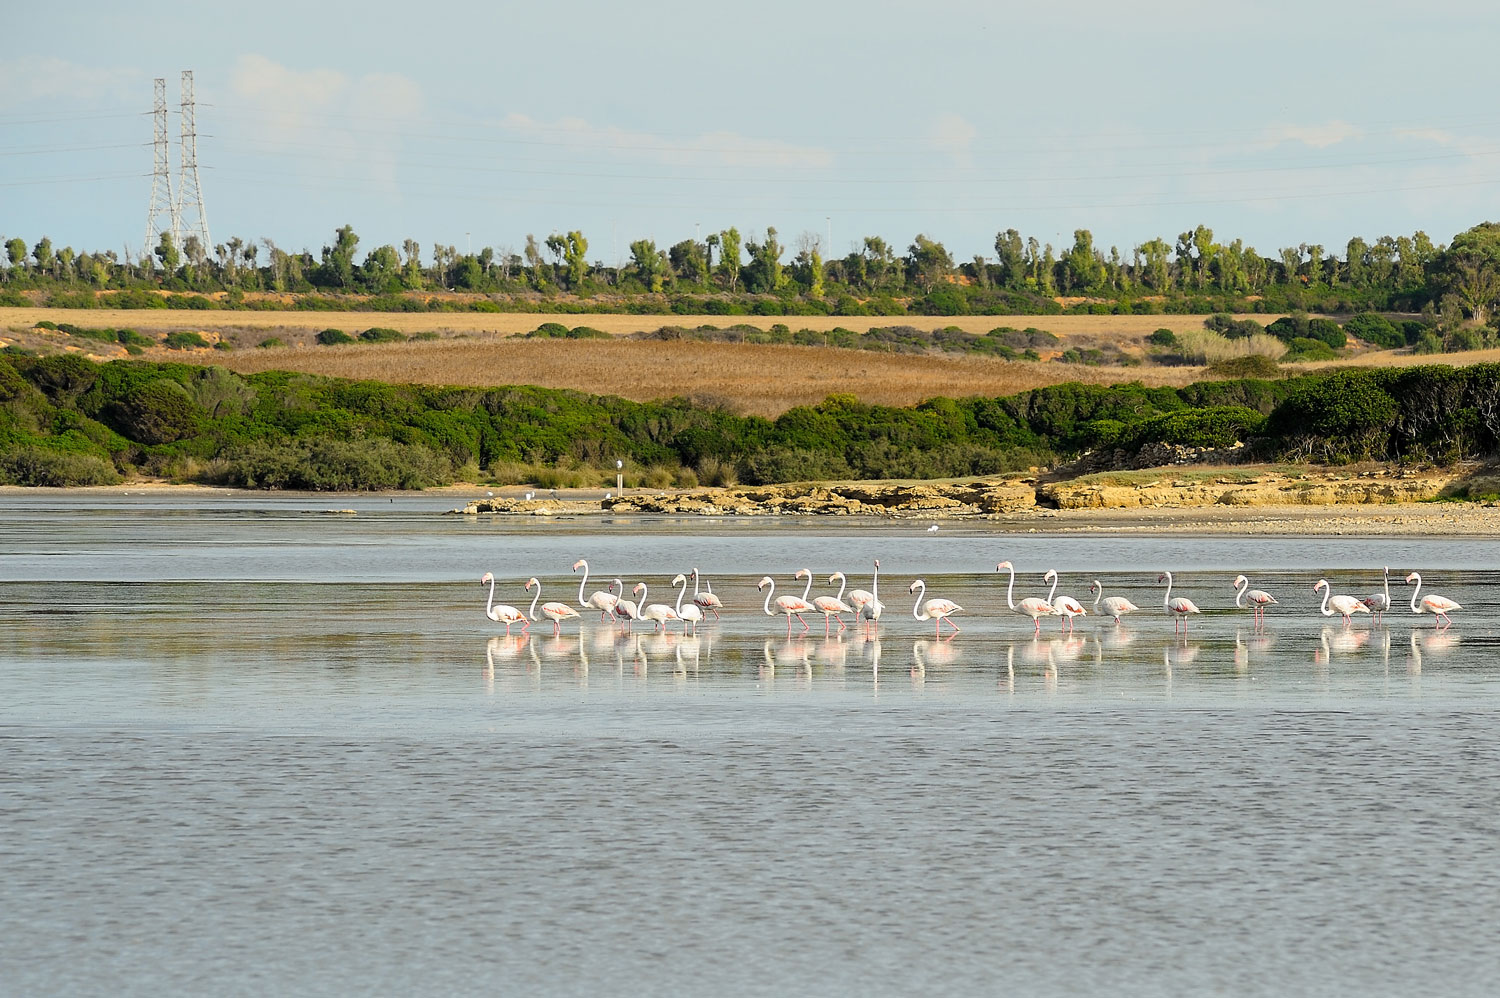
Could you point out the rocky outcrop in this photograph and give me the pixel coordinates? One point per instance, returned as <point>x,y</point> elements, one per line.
<point>1264,489</point>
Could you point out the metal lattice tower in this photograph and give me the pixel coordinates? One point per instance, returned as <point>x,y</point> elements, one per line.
<point>162,203</point>
<point>189,191</point>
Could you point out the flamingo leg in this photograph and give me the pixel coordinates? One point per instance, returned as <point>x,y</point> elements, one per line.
<point>805,627</point>
<point>952,624</point>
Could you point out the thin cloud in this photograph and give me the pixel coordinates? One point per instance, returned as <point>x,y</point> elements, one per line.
<point>707,149</point>
<point>953,134</point>
<point>1319,136</point>
<point>31,78</point>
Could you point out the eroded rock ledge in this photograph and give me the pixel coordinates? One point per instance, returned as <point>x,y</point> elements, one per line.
<point>1240,487</point>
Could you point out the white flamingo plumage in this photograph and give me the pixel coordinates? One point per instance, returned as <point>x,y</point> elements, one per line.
<point>1064,606</point>
<point>690,614</point>
<point>1380,602</point>
<point>870,608</point>
<point>552,610</point>
<point>1181,606</point>
<point>792,606</point>
<point>1031,607</point>
<point>1439,606</point>
<point>658,613</point>
<point>602,601</point>
<point>833,607</point>
<point>1259,598</point>
<point>1343,605</point>
<point>936,609</point>
<point>706,600</point>
<point>1115,606</point>
<point>501,613</point>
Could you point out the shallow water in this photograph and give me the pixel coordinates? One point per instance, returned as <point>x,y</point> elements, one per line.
<point>251,746</point>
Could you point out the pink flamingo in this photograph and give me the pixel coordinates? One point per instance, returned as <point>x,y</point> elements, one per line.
<point>859,597</point>
<point>705,600</point>
<point>690,614</point>
<point>792,606</point>
<point>1115,606</point>
<point>1344,605</point>
<point>1065,606</point>
<point>1181,606</point>
<point>1031,607</point>
<point>937,610</point>
<point>660,613</point>
<point>871,608</point>
<point>1259,599</point>
<point>604,602</point>
<point>553,611</point>
<point>1380,602</point>
<point>833,606</point>
<point>502,614</point>
<point>626,610</point>
<point>1440,606</point>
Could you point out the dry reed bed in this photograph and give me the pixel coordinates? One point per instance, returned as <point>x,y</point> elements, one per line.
<point>1108,328</point>
<point>753,379</point>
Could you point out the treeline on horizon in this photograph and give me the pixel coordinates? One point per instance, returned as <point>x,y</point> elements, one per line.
<point>67,421</point>
<point>727,273</point>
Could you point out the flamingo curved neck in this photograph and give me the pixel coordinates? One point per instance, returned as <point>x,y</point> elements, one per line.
<point>1327,592</point>
<point>644,591</point>
<point>875,583</point>
<point>1417,589</point>
<point>769,593</point>
<point>681,593</point>
<point>922,591</point>
<point>1388,586</point>
<point>1010,590</point>
<point>534,600</point>
<point>695,583</point>
<point>584,583</point>
<point>489,604</point>
<point>808,588</point>
<point>1166,600</point>
<point>1239,592</point>
<point>1099,590</point>
<point>843,584</point>
<point>1053,591</point>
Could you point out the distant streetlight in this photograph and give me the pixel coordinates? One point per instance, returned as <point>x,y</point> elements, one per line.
<point>620,477</point>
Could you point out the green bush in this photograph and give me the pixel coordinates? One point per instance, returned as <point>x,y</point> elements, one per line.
<point>1427,342</point>
<point>1216,426</point>
<point>1255,365</point>
<point>1162,338</point>
<point>1347,416</point>
<point>1328,331</point>
<point>333,337</point>
<point>271,341</point>
<point>45,467</point>
<point>1375,329</point>
<point>333,466</point>
<point>184,339</point>
<point>157,412</point>
<point>1304,348</point>
<point>382,334</point>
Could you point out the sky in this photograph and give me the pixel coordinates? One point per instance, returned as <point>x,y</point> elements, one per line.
<point>472,124</point>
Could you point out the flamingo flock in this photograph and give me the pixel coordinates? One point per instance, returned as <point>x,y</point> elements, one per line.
<point>865,606</point>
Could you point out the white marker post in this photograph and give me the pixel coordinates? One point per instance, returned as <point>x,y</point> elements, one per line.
<point>620,477</point>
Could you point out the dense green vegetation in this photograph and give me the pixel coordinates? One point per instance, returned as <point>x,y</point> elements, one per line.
<point>65,420</point>
<point>727,274</point>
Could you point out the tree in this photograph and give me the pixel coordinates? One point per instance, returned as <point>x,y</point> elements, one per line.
<point>166,252</point>
<point>764,273</point>
<point>534,260</point>
<point>338,259</point>
<point>381,271</point>
<point>649,262</point>
<point>1291,262</point>
<point>688,263</point>
<point>575,253</point>
<point>1157,272</point>
<point>15,251</point>
<point>879,261</point>
<point>412,271</point>
<point>928,262</point>
<point>710,243</point>
<point>1011,252</point>
<point>729,261</point>
<point>1085,272</point>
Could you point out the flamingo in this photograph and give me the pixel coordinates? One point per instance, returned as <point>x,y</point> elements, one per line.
<point>660,613</point>
<point>692,613</point>
<point>937,610</point>
<point>859,597</point>
<point>871,608</point>
<point>552,610</point>
<point>705,600</point>
<point>1380,602</point>
<point>626,610</point>
<point>1115,606</point>
<point>1259,599</point>
<point>833,606</point>
<point>792,606</point>
<point>1031,607</point>
<point>502,614</point>
<point>1181,606</point>
<point>1066,606</point>
<point>1440,606</point>
<point>1344,605</point>
<point>604,602</point>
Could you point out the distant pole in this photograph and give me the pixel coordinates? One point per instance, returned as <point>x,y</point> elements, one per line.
<point>620,477</point>
<point>470,237</point>
<point>829,251</point>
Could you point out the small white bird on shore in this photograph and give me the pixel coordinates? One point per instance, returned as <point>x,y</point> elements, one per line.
<point>932,529</point>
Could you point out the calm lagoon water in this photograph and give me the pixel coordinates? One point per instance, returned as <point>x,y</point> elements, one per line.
<point>250,746</point>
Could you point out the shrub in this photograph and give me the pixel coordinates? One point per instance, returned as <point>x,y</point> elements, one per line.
<point>45,467</point>
<point>1231,328</point>
<point>381,334</point>
<point>1376,329</point>
<point>1304,348</point>
<point>714,471</point>
<point>184,339</point>
<point>1343,417</point>
<point>271,341</point>
<point>1162,338</point>
<point>1463,338</point>
<point>1328,331</point>
<point>1215,426</point>
<point>1427,342</point>
<point>333,337</point>
<point>1255,365</point>
<point>329,465</point>
<point>158,412</point>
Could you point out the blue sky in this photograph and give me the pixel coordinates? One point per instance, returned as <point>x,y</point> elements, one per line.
<point>473,124</point>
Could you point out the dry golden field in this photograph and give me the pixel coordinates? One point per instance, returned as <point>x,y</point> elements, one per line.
<point>763,380</point>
